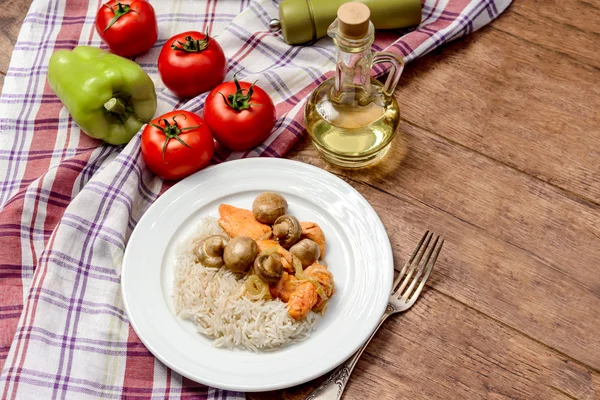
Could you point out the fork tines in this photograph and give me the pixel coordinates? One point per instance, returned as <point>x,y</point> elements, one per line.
<point>405,283</point>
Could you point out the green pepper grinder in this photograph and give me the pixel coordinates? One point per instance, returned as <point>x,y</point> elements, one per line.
<point>301,21</point>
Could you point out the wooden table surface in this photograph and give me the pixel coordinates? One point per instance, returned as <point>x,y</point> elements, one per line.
<point>499,151</point>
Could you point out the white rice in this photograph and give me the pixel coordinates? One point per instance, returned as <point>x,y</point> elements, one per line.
<point>214,300</point>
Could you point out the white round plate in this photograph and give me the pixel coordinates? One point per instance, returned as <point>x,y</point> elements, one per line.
<point>358,255</point>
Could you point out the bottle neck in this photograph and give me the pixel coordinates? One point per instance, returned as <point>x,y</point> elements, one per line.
<point>353,70</point>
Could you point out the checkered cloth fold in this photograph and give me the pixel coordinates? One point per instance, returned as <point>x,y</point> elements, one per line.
<point>68,203</point>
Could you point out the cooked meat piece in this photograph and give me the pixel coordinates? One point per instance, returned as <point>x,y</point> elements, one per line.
<point>239,222</point>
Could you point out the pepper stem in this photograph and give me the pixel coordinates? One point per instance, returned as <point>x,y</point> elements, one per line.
<point>116,106</point>
<point>121,9</point>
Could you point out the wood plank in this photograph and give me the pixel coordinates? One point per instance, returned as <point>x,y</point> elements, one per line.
<point>514,101</point>
<point>567,27</point>
<point>441,349</point>
<point>13,13</point>
<point>461,194</point>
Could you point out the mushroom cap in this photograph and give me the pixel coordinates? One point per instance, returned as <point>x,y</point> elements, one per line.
<point>268,267</point>
<point>287,230</point>
<point>239,254</point>
<point>269,206</point>
<point>307,251</point>
<point>210,251</point>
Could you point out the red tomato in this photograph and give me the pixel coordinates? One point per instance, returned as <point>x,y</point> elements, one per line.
<point>239,114</point>
<point>128,27</point>
<point>191,63</point>
<point>177,144</point>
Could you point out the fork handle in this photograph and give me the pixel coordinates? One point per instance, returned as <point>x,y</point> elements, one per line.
<point>333,387</point>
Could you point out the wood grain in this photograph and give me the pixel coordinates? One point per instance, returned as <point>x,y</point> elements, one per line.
<point>567,27</point>
<point>498,151</point>
<point>515,101</point>
<point>13,13</point>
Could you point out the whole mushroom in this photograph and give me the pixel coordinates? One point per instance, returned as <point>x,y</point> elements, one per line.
<point>268,267</point>
<point>268,206</point>
<point>287,230</point>
<point>210,251</point>
<point>307,252</point>
<point>239,254</point>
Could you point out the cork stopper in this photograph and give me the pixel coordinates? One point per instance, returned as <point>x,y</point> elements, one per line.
<point>353,19</point>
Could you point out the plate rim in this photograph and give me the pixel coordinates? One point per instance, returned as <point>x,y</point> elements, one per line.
<point>260,387</point>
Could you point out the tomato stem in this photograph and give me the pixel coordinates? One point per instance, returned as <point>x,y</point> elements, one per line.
<point>191,45</point>
<point>121,9</point>
<point>239,101</point>
<point>172,132</point>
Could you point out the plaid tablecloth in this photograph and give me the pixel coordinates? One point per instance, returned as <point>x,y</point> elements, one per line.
<point>68,203</point>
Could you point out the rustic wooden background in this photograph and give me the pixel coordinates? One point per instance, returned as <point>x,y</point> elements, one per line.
<point>500,152</point>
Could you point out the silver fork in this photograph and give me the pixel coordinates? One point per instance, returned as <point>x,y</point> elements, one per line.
<point>405,291</point>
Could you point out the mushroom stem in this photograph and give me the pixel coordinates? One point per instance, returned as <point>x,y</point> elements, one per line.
<point>210,251</point>
<point>287,230</point>
<point>268,267</point>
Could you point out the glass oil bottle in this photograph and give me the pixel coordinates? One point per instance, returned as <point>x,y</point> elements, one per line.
<point>351,118</point>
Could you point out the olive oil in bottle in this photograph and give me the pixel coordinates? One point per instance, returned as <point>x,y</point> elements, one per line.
<point>351,136</point>
<point>352,118</point>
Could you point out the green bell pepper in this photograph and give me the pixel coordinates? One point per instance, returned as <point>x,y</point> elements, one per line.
<point>108,96</point>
